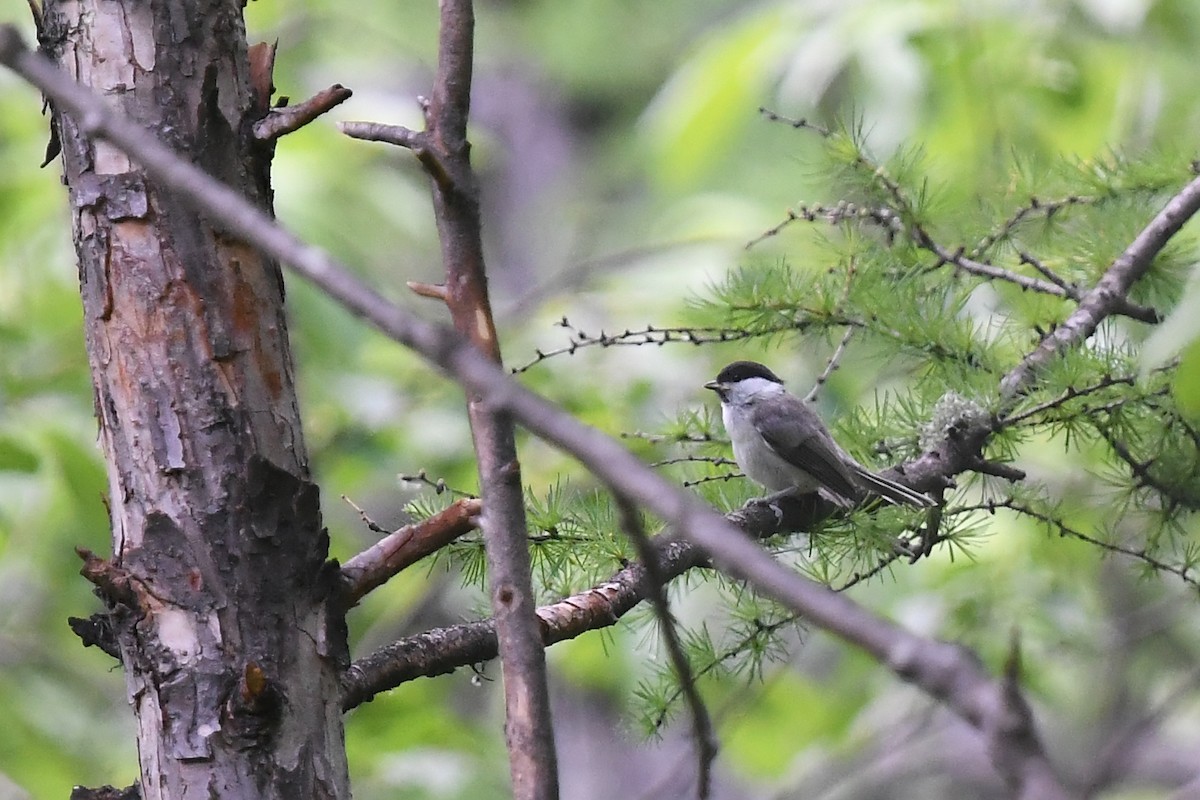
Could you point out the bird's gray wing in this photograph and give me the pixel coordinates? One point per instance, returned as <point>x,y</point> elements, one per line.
<point>797,435</point>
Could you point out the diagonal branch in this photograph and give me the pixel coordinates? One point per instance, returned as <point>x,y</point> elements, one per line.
<point>443,650</point>
<point>945,671</point>
<point>1110,291</point>
<point>283,120</point>
<point>404,547</point>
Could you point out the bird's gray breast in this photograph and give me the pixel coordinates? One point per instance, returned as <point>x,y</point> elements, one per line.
<point>756,458</point>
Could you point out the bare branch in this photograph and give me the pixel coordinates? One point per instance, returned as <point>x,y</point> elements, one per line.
<point>434,291</point>
<point>891,221</point>
<point>1068,394</point>
<point>996,469</point>
<point>831,365</point>
<point>1184,573</point>
<point>1141,470</point>
<point>283,120</point>
<point>1049,274</point>
<point>702,729</point>
<point>444,650</point>
<point>404,547</point>
<point>439,486</point>
<point>1045,208</point>
<point>800,123</point>
<point>371,524</point>
<point>650,335</point>
<point>379,132</point>
<point>528,728</point>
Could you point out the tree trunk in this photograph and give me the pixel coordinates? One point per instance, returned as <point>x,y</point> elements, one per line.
<point>226,615</point>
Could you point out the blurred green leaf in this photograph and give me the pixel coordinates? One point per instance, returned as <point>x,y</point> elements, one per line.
<point>17,457</point>
<point>1186,387</point>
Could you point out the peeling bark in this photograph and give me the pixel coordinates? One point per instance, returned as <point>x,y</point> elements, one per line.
<point>226,624</point>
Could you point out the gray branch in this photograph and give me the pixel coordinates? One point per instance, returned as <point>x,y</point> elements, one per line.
<point>945,671</point>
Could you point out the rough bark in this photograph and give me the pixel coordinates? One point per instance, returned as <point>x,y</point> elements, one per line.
<point>224,609</point>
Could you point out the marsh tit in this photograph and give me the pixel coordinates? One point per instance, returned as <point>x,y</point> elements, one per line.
<point>781,443</point>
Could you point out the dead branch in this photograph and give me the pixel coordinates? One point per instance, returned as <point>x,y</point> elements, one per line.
<point>282,120</point>
<point>444,151</point>
<point>404,547</point>
<point>702,727</point>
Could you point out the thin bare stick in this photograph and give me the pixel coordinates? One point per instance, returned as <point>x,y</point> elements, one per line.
<point>1049,274</point>
<point>434,291</point>
<point>1184,573</point>
<point>404,547</point>
<point>371,524</point>
<point>1046,208</point>
<point>1068,394</point>
<point>443,650</point>
<point>650,335</point>
<point>379,132</point>
<point>283,120</point>
<point>830,366</point>
<point>439,486</point>
<point>419,142</point>
<point>998,470</point>
<point>702,729</point>
<point>891,221</point>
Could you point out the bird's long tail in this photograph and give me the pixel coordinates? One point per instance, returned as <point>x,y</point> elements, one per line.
<point>893,492</point>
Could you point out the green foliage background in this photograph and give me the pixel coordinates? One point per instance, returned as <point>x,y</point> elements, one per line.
<point>633,167</point>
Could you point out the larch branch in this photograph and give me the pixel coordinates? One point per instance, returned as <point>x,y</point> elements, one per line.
<point>1110,292</point>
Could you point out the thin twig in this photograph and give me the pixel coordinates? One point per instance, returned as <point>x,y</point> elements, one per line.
<point>1047,208</point>
<point>1050,275</point>
<point>388,134</point>
<point>702,730</point>
<point>371,524</point>
<point>1141,471</point>
<point>998,470</point>
<point>1068,394</point>
<point>650,335</point>
<point>800,123</point>
<point>1184,573</point>
<point>445,154</point>
<point>902,218</point>
<point>658,438</point>
<point>439,486</point>
<point>719,461</point>
<point>831,365</point>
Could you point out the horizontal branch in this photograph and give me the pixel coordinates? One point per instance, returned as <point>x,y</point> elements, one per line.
<point>444,650</point>
<point>389,134</point>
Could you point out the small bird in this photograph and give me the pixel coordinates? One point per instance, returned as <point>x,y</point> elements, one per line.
<point>781,443</point>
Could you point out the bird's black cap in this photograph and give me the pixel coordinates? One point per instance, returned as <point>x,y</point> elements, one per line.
<point>741,370</point>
